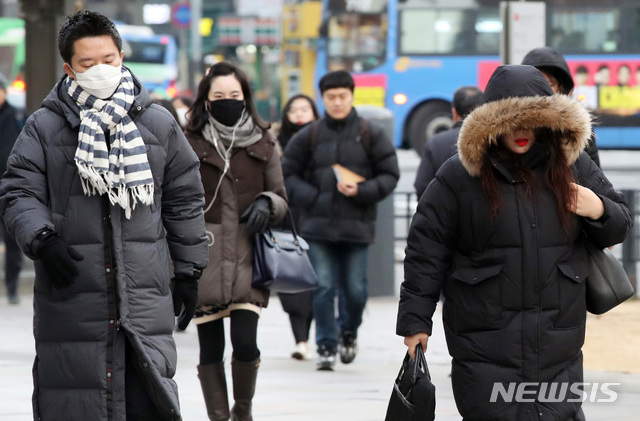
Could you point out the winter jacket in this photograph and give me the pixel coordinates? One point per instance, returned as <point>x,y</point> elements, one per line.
<point>9,131</point>
<point>327,214</point>
<point>254,171</point>
<point>437,150</point>
<point>123,286</point>
<point>514,285</point>
<point>550,60</point>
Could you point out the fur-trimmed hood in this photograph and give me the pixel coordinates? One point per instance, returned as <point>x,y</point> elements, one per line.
<point>518,97</point>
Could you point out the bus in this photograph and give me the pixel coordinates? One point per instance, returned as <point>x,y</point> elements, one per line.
<point>411,55</point>
<point>12,53</point>
<point>152,58</point>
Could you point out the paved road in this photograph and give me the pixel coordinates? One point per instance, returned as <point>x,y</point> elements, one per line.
<point>291,390</point>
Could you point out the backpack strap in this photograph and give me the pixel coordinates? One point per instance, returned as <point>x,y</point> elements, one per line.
<point>364,135</point>
<point>313,140</point>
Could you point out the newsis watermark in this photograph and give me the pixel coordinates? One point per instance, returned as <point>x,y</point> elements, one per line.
<point>554,392</point>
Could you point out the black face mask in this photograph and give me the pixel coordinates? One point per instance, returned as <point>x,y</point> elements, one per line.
<point>297,127</point>
<point>226,111</point>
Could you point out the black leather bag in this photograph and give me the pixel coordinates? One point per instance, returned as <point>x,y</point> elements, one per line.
<point>607,283</point>
<point>414,396</point>
<point>281,262</point>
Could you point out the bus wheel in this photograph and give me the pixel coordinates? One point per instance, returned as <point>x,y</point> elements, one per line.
<point>428,120</point>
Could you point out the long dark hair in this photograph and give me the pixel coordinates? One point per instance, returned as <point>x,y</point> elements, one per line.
<point>288,128</point>
<point>198,114</point>
<point>558,176</point>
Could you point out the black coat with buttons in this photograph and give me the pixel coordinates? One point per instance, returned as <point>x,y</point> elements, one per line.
<point>514,285</point>
<point>123,290</point>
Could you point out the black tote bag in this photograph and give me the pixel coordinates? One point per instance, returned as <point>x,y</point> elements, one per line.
<point>281,262</point>
<point>414,396</point>
<point>607,282</point>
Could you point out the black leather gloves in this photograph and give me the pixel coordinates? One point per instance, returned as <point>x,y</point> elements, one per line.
<point>59,260</point>
<point>185,291</point>
<point>257,216</point>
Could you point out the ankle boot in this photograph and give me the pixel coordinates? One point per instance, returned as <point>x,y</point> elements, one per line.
<point>214,389</point>
<point>244,386</point>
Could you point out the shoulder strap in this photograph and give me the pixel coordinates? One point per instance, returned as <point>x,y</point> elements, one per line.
<point>313,141</point>
<point>365,134</point>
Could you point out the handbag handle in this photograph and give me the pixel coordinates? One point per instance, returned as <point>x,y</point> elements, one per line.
<point>421,364</point>
<point>294,231</point>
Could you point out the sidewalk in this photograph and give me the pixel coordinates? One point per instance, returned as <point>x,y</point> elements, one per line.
<point>291,390</point>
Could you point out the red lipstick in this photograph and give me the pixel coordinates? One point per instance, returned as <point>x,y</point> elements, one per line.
<point>522,141</point>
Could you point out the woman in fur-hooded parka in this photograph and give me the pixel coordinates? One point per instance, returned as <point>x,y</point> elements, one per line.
<point>513,278</point>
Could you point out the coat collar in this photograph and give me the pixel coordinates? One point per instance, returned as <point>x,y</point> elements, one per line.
<point>487,123</point>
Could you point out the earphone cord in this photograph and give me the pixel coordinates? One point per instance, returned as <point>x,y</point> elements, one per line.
<point>227,164</point>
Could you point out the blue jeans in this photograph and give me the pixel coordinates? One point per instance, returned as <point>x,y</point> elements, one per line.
<point>340,266</point>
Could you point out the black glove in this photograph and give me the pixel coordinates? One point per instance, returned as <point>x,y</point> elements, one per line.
<point>258,215</point>
<point>185,291</point>
<point>59,261</point>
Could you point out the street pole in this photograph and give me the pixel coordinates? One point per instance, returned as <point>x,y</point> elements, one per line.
<point>196,44</point>
<point>43,66</point>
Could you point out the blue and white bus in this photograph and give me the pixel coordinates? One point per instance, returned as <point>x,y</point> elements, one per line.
<point>153,58</point>
<point>411,55</point>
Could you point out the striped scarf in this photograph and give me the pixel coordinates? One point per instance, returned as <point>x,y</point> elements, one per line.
<point>122,171</point>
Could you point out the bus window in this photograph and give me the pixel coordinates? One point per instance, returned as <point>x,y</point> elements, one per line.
<point>356,41</point>
<point>143,52</point>
<point>449,31</point>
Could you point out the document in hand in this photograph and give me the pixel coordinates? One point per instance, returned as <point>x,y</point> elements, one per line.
<point>345,175</point>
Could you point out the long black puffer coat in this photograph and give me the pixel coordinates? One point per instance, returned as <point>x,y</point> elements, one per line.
<point>124,283</point>
<point>514,285</point>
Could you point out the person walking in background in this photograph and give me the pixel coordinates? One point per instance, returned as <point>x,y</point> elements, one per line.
<point>244,193</point>
<point>103,192</point>
<point>9,131</point>
<point>338,217</point>
<point>556,70</point>
<point>502,231</point>
<point>297,113</point>
<point>443,145</point>
<point>181,104</point>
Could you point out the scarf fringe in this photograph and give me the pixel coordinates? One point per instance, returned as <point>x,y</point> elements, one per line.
<point>96,182</point>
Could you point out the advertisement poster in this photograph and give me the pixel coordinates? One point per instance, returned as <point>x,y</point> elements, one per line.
<point>609,88</point>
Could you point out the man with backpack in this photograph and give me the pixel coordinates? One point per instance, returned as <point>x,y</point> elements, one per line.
<point>338,217</point>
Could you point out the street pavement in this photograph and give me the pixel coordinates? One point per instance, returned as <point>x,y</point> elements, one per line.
<point>287,389</point>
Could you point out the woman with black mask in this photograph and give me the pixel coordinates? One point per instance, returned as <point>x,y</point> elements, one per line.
<point>298,112</point>
<point>244,194</point>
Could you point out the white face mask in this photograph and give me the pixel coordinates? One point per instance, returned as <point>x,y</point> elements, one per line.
<point>100,80</point>
<point>182,115</point>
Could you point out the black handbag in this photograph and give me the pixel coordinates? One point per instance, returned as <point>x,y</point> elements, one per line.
<point>281,262</point>
<point>607,282</point>
<point>414,396</point>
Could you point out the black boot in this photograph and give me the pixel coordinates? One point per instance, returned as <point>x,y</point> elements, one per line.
<point>214,389</point>
<point>244,387</point>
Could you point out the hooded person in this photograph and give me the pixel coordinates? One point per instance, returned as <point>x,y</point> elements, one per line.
<point>501,232</point>
<point>556,70</point>
<point>103,192</point>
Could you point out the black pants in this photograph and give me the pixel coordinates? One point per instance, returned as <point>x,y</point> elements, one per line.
<point>299,307</point>
<point>244,332</point>
<point>139,404</point>
<point>12,261</point>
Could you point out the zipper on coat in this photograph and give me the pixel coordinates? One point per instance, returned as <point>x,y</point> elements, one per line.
<point>538,287</point>
<point>113,303</point>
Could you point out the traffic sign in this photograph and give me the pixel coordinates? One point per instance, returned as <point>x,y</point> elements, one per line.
<point>181,15</point>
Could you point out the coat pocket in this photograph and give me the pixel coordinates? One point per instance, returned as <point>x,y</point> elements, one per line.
<point>572,306</point>
<point>477,295</point>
